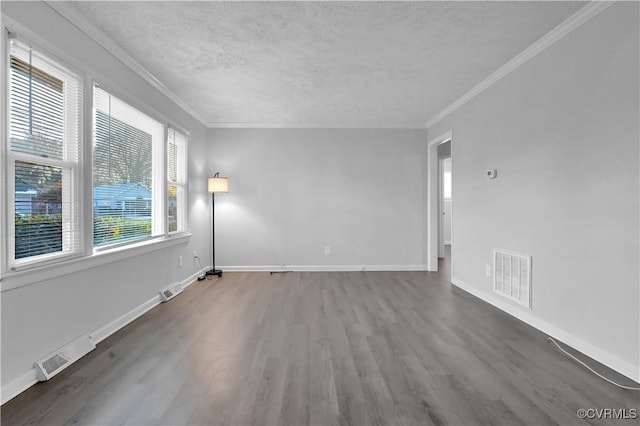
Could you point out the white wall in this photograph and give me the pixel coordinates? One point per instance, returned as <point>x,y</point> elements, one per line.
<point>563,132</point>
<point>295,191</point>
<point>45,313</point>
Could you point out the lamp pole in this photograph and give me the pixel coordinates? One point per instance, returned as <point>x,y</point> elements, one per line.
<point>213,271</point>
<point>215,184</point>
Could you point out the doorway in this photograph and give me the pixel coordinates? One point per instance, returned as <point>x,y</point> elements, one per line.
<point>439,225</point>
<point>444,208</point>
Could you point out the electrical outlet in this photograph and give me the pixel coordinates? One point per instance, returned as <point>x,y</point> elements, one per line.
<point>180,261</point>
<point>488,270</point>
<point>195,255</point>
<point>327,249</point>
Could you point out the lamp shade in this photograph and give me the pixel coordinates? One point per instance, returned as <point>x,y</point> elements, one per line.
<point>218,184</point>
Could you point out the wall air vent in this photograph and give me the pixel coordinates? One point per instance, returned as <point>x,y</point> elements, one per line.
<point>57,361</point>
<point>512,276</point>
<point>170,292</point>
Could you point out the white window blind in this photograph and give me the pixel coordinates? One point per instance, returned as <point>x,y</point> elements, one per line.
<point>176,181</point>
<point>128,175</point>
<point>44,153</point>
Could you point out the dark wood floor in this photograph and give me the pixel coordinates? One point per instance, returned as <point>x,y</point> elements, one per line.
<point>325,348</point>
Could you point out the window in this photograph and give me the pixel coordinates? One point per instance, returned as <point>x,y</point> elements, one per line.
<point>176,181</point>
<point>128,173</point>
<point>44,154</point>
<point>138,186</point>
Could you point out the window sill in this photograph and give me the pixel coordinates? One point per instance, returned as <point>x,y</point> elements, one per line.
<point>12,280</point>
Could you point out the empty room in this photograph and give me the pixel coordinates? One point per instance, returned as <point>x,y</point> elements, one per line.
<point>320,213</point>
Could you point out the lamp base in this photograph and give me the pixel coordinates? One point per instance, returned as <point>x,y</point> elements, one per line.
<point>214,271</point>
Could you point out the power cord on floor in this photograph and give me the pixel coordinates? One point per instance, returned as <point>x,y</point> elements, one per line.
<point>281,271</point>
<point>204,274</point>
<point>589,368</point>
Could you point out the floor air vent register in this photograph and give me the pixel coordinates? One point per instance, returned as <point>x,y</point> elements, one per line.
<point>171,292</point>
<point>57,361</point>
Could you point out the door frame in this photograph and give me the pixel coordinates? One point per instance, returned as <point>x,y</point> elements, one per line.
<point>433,194</point>
<point>441,207</point>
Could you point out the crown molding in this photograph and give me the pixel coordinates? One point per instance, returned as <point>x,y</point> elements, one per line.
<point>276,125</point>
<point>88,28</point>
<point>576,20</point>
<point>588,12</point>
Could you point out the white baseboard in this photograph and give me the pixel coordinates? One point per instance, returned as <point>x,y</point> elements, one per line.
<point>115,325</point>
<point>627,369</point>
<point>19,385</point>
<point>29,378</point>
<point>323,268</point>
<point>193,277</point>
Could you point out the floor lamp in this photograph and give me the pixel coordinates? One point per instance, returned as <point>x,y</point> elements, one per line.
<point>215,185</point>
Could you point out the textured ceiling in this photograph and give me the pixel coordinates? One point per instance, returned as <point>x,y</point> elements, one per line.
<point>323,64</point>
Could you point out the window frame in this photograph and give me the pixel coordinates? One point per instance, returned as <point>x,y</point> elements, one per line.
<point>158,147</point>
<point>72,191</point>
<point>85,257</point>
<point>182,167</point>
